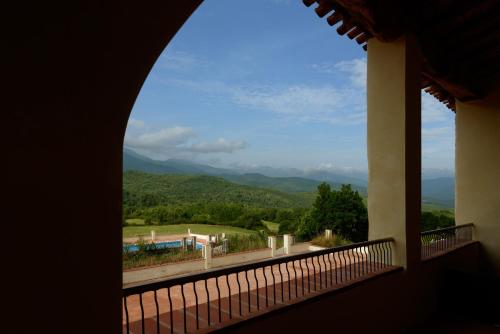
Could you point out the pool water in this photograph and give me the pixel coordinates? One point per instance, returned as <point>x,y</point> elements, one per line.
<point>163,244</point>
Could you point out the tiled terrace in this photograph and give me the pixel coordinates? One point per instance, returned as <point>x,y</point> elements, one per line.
<point>245,294</point>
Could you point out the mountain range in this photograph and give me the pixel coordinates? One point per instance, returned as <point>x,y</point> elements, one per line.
<point>436,191</point>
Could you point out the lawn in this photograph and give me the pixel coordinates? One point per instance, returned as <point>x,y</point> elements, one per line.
<point>135,221</point>
<point>132,231</point>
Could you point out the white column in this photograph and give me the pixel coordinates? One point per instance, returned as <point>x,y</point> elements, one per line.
<point>153,236</point>
<point>394,148</point>
<point>207,252</point>
<point>272,245</point>
<point>287,243</point>
<point>477,173</point>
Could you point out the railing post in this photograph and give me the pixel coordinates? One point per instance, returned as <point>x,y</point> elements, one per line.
<point>193,242</point>
<point>207,253</point>
<point>153,235</point>
<point>272,244</point>
<point>287,242</point>
<point>328,234</point>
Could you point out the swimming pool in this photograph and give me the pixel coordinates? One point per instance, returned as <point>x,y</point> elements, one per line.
<point>163,244</point>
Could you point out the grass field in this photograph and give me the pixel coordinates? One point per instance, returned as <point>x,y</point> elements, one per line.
<point>135,221</point>
<point>132,231</point>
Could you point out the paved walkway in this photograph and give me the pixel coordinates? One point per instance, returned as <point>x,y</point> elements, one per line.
<point>137,275</point>
<point>237,296</point>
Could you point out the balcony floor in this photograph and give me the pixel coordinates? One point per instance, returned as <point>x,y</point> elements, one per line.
<point>449,323</point>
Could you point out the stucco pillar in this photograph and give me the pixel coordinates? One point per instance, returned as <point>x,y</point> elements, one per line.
<point>477,169</point>
<point>394,148</point>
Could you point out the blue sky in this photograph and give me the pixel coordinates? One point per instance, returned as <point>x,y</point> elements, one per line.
<point>265,83</point>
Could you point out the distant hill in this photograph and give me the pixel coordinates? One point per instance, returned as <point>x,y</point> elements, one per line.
<point>286,184</point>
<point>134,161</point>
<point>178,189</point>
<point>439,192</point>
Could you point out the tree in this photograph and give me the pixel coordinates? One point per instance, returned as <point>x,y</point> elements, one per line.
<point>342,211</point>
<point>251,220</point>
<point>436,219</point>
<point>322,212</point>
<point>350,216</point>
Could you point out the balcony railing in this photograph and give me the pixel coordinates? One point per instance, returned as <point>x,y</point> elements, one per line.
<point>212,299</point>
<point>437,242</point>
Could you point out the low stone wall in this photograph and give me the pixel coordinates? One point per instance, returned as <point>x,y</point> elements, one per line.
<point>236,258</point>
<point>178,268</point>
<point>172,269</point>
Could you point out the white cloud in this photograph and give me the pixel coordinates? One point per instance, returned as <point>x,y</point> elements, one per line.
<point>433,110</point>
<point>221,145</point>
<point>355,69</point>
<point>164,139</point>
<point>135,123</point>
<point>437,133</point>
<point>178,142</point>
<point>178,60</point>
<point>309,103</point>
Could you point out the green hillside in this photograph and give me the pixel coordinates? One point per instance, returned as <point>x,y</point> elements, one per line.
<point>143,189</point>
<point>285,184</point>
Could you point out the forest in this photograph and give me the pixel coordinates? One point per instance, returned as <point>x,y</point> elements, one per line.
<point>166,199</point>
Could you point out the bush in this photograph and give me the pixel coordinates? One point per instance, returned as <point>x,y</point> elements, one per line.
<point>149,254</point>
<point>251,221</point>
<point>240,243</point>
<point>334,241</point>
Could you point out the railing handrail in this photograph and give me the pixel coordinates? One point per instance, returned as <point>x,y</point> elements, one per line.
<point>189,278</point>
<point>447,228</point>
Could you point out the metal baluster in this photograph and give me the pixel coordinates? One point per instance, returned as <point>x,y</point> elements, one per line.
<point>157,313</point>
<point>335,265</point>
<point>302,276</point>
<point>274,285</point>
<point>308,276</point>
<point>248,292</point>
<point>142,314</point>
<point>257,283</point>
<point>330,266</point>
<point>229,293</point>
<point>289,281</point>
<point>314,272</point>
<point>184,307</point>
<point>126,314</point>
<point>326,271</point>
<point>239,291</point>
<point>295,278</point>
<point>171,312</point>
<point>319,265</point>
<point>208,302</point>
<point>344,276</point>
<point>196,300</point>
<point>265,282</point>
<point>281,280</point>
<point>218,297</point>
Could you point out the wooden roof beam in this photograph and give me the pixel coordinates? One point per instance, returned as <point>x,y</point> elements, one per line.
<point>345,26</point>
<point>335,18</point>
<point>308,3</point>
<point>324,8</point>
<point>354,32</point>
